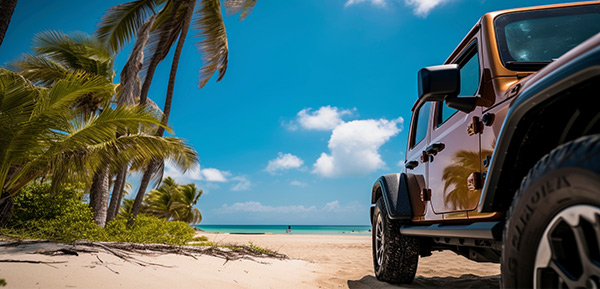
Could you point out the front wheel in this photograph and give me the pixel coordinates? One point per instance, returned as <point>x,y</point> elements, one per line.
<point>395,256</point>
<point>552,236</point>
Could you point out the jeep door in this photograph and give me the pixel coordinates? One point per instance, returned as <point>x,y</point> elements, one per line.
<point>416,167</point>
<point>454,168</point>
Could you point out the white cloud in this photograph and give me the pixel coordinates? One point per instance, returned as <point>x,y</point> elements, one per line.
<point>379,3</point>
<point>420,7</point>
<point>298,183</point>
<point>196,173</point>
<point>284,162</point>
<point>354,147</point>
<point>332,206</point>
<point>243,184</point>
<point>325,118</point>
<point>423,7</point>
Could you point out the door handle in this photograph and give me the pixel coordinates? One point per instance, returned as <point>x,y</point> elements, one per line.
<point>435,148</point>
<point>411,165</point>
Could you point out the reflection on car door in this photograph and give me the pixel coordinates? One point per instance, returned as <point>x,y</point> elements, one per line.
<point>454,171</point>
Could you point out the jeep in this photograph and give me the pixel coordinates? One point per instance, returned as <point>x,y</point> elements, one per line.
<point>503,154</point>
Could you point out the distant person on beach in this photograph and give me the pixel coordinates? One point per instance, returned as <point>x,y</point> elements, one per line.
<point>288,230</point>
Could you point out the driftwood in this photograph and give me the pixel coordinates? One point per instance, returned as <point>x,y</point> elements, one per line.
<point>228,253</point>
<point>122,250</point>
<point>30,261</point>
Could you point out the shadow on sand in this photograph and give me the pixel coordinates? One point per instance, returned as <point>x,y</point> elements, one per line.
<point>464,281</point>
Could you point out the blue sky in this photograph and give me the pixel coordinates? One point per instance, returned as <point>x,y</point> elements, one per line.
<point>314,105</point>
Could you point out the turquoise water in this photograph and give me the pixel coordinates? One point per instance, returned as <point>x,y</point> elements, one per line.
<point>280,229</point>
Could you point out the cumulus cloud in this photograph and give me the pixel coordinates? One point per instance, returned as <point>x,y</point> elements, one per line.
<point>353,147</point>
<point>214,175</point>
<point>379,3</point>
<point>423,7</point>
<point>284,162</point>
<point>196,173</point>
<point>325,118</point>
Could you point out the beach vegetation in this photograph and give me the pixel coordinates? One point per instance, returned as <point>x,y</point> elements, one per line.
<point>172,201</point>
<point>59,122</point>
<point>61,216</point>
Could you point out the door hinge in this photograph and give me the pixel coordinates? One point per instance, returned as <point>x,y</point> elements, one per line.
<point>474,181</point>
<point>475,127</point>
<point>425,195</point>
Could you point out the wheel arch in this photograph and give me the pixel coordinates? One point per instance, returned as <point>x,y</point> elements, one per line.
<point>394,191</point>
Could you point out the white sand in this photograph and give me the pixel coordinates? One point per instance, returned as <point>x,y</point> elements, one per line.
<point>316,262</point>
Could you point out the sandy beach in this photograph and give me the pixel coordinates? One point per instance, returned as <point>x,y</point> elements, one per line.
<point>316,261</point>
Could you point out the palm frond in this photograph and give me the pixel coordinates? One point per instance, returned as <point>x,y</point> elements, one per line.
<point>213,46</point>
<point>248,7</point>
<point>79,52</point>
<point>39,69</point>
<point>120,23</point>
<point>233,7</point>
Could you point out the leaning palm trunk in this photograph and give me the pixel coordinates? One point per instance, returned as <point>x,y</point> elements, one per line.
<point>130,88</point>
<point>7,7</point>
<point>167,108</point>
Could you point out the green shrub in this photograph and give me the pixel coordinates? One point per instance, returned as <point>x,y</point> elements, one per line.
<point>149,229</point>
<point>63,217</point>
<point>35,202</point>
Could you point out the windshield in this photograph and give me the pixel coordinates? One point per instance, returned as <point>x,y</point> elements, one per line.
<point>529,40</point>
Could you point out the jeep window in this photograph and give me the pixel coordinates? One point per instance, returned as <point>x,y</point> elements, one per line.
<point>529,40</point>
<point>420,124</point>
<point>469,81</point>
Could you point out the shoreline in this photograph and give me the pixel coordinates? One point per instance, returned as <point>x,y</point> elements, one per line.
<point>364,230</point>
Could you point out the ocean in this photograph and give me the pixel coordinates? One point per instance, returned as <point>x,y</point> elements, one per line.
<point>280,229</point>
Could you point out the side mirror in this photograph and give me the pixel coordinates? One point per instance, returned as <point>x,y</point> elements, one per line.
<point>436,83</point>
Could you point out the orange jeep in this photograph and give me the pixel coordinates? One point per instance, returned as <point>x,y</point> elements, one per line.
<point>503,156</point>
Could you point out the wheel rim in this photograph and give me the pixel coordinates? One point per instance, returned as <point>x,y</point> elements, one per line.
<point>568,255</point>
<point>379,240</point>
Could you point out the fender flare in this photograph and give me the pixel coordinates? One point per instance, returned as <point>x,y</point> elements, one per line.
<point>394,189</point>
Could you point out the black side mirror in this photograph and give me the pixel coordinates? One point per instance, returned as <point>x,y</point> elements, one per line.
<point>436,83</point>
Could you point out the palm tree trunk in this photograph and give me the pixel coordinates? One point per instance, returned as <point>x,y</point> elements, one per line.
<point>117,194</point>
<point>137,203</point>
<point>167,109</point>
<point>171,86</point>
<point>7,7</point>
<point>99,195</point>
<point>158,56</point>
<point>130,87</point>
<point>6,206</point>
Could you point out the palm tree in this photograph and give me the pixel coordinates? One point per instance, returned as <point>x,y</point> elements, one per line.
<point>173,20</point>
<point>56,55</point>
<point>42,134</point>
<point>455,177</point>
<point>173,201</point>
<point>184,207</point>
<point>7,7</point>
